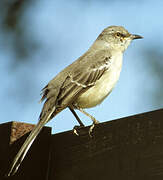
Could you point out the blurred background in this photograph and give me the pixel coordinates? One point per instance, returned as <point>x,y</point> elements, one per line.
<point>40,38</point>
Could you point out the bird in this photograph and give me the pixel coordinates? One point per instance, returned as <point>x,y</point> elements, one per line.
<point>83,84</point>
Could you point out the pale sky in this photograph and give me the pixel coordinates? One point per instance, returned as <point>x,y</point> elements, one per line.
<point>64,31</point>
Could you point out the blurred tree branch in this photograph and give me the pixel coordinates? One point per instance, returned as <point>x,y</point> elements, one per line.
<point>17,42</point>
<point>15,31</point>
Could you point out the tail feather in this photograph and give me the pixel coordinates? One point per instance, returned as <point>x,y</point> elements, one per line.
<point>27,144</point>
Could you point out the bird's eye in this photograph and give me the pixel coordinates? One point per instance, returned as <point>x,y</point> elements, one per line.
<point>118,34</point>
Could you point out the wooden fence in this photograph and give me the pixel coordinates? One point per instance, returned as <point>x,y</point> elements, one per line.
<point>129,148</point>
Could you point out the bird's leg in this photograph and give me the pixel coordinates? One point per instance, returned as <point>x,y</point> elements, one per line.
<point>76,116</point>
<point>92,118</point>
<point>79,121</point>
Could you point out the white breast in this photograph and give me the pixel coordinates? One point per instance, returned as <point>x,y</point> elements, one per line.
<point>96,94</point>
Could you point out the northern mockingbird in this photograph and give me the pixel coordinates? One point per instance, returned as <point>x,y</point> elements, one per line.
<point>83,84</point>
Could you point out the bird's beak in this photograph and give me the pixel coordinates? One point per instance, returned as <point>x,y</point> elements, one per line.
<point>135,36</point>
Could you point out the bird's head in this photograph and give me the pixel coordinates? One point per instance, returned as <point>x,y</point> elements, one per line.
<point>117,37</point>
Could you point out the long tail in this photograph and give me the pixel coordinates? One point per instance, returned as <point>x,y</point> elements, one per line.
<point>27,144</point>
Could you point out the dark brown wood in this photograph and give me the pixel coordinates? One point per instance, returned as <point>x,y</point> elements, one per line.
<point>35,164</point>
<point>129,148</point>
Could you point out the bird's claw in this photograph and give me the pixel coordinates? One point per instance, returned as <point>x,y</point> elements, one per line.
<point>75,132</point>
<point>76,129</point>
<point>92,127</point>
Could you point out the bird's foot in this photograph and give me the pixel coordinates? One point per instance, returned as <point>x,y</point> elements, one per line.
<point>92,127</point>
<point>77,129</point>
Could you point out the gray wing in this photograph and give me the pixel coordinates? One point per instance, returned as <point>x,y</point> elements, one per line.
<point>82,78</point>
<point>82,75</point>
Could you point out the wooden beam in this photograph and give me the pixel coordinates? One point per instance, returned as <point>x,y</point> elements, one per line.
<point>129,148</point>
